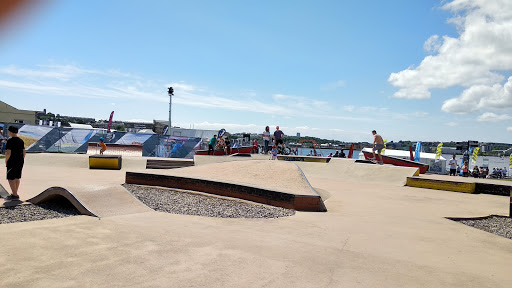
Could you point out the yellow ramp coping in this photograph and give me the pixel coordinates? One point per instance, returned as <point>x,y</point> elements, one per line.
<point>441,185</point>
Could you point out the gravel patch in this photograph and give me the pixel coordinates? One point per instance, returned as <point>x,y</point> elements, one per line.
<point>190,203</point>
<point>499,225</point>
<point>57,208</point>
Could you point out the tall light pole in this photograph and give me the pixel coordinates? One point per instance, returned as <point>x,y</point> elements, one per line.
<point>170,92</point>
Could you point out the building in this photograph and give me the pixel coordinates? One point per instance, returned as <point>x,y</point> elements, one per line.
<point>159,125</point>
<point>9,114</point>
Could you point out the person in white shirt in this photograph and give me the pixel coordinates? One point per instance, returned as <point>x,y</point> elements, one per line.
<point>453,166</point>
<point>266,138</point>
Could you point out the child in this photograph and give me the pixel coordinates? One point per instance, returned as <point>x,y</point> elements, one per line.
<point>274,152</point>
<point>103,146</point>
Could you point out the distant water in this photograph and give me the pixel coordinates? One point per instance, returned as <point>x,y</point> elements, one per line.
<point>490,161</point>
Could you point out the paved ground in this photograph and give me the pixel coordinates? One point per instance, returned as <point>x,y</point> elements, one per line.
<point>376,233</point>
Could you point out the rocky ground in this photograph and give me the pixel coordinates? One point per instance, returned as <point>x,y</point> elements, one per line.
<point>48,210</point>
<point>499,225</point>
<point>191,203</point>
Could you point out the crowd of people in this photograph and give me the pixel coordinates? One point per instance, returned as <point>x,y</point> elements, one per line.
<point>219,143</point>
<point>477,172</point>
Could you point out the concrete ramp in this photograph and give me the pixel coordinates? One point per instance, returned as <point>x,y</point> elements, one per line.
<point>59,192</point>
<point>274,183</point>
<point>95,200</point>
<point>338,168</point>
<point>350,171</point>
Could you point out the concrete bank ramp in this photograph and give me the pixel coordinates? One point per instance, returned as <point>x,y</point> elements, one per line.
<point>351,171</point>
<point>276,183</point>
<point>47,175</point>
<point>95,200</point>
<point>338,168</point>
<point>272,175</point>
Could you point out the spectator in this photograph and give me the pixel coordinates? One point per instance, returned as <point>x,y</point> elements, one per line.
<point>266,138</point>
<point>212,144</point>
<point>278,137</point>
<point>255,146</point>
<point>465,169</point>
<point>453,166</point>
<point>227,146</point>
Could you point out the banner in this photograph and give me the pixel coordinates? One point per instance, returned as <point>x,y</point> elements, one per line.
<point>417,153</point>
<point>439,151</point>
<point>110,121</point>
<point>475,154</point>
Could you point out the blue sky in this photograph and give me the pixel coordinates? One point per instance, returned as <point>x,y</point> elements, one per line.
<point>412,70</point>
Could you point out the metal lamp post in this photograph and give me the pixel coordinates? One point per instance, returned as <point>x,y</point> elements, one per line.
<point>170,92</point>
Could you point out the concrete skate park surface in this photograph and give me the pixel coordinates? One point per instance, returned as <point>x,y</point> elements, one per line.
<point>376,233</point>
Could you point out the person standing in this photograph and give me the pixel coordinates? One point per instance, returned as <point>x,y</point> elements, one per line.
<point>465,169</point>
<point>278,137</point>
<point>14,159</point>
<point>274,152</point>
<point>211,145</point>
<point>453,166</point>
<point>378,145</point>
<point>266,138</point>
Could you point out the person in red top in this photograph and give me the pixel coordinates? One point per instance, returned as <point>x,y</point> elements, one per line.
<point>255,146</point>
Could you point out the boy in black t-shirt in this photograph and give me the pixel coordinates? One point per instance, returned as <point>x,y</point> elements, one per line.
<point>14,159</point>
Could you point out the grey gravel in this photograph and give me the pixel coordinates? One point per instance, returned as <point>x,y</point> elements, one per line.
<point>499,225</point>
<point>49,210</point>
<point>190,203</point>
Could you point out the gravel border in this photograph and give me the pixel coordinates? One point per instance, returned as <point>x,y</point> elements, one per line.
<point>199,204</point>
<point>495,224</point>
<point>57,208</point>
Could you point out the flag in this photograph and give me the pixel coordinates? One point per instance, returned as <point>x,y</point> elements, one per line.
<point>439,151</point>
<point>417,153</point>
<point>110,121</point>
<point>475,154</point>
<point>384,149</point>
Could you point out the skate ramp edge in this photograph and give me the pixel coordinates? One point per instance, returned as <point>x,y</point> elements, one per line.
<point>56,192</point>
<point>312,203</point>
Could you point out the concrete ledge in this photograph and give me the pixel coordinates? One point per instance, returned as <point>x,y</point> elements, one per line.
<point>113,162</point>
<point>55,192</point>
<point>168,164</point>
<point>460,186</point>
<point>441,185</point>
<point>274,198</point>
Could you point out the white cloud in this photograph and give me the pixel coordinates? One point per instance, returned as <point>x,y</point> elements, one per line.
<point>509,129</point>
<point>433,44</point>
<point>491,117</point>
<point>480,97</point>
<point>476,60</point>
<point>451,124</point>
